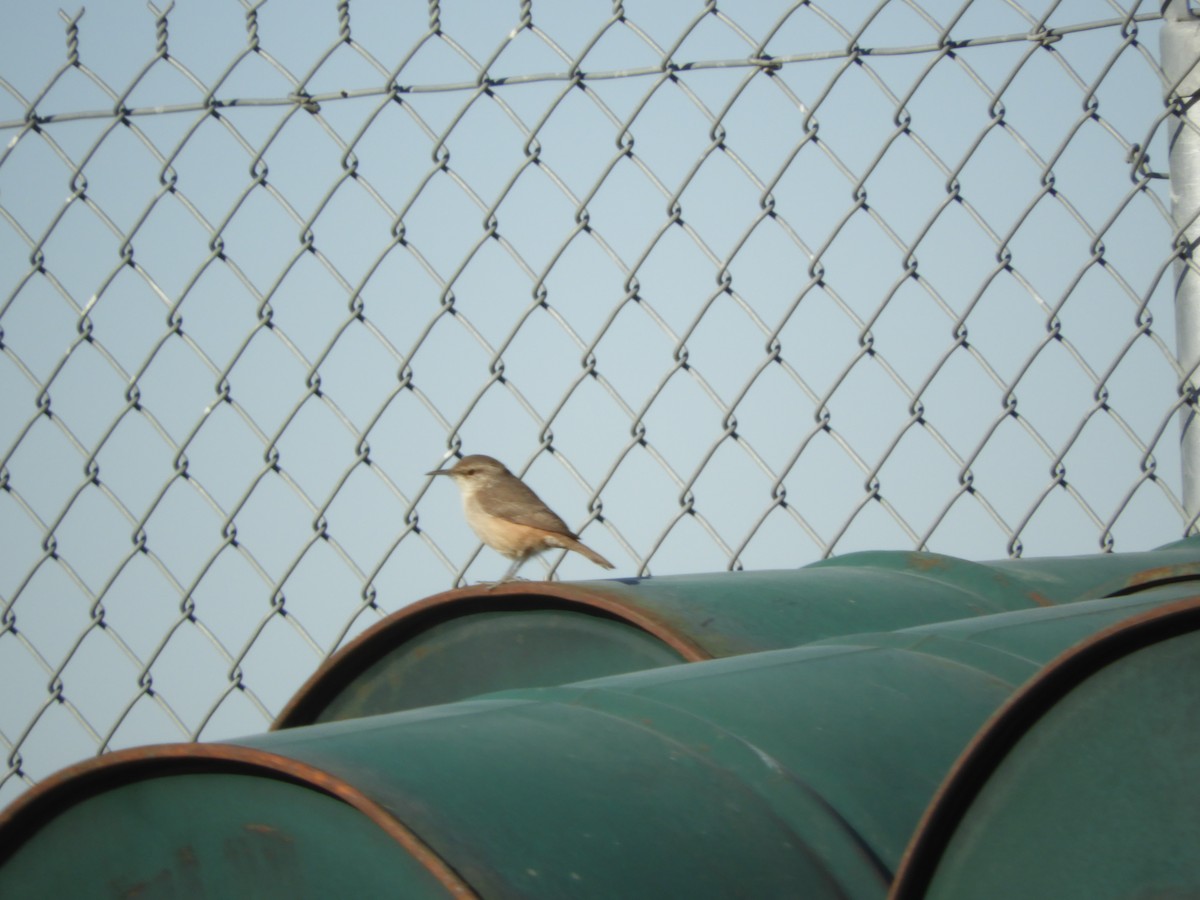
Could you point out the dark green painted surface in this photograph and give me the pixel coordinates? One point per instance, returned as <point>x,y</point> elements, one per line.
<point>193,836</point>
<point>746,612</point>
<point>473,654</point>
<point>1020,643</point>
<point>1101,798</point>
<point>1046,580</point>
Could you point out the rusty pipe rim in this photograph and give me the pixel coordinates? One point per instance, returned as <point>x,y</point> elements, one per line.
<point>1009,725</point>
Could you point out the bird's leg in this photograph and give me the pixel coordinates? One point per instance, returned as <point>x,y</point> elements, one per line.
<point>510,575</point>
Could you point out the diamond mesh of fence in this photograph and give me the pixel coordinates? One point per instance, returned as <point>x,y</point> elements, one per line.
<point>732,286</point>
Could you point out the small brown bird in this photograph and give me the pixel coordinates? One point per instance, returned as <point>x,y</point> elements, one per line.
<point>508,516</point>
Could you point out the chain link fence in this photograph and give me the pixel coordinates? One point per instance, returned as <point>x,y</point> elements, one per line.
<point>731,285</point>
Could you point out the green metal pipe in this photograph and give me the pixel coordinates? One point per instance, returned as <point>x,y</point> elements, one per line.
<point>532,634</point>
<point>795,772</point>
<point>1086,781</point>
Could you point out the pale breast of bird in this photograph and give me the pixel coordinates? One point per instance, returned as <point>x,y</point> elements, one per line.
<point>503,536</point>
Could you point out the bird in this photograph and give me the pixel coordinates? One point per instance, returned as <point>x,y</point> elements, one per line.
<point>508,516</point>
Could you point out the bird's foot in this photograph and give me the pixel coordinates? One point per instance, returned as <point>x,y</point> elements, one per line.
<point>492,585</point>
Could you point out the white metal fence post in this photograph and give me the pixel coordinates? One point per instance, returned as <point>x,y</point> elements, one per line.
<point>1180,55</point>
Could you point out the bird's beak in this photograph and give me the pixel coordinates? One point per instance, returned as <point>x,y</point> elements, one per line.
<point>439,472</point>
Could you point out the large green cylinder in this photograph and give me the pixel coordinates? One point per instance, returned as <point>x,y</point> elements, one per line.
<point>531,634</point>
<point>1085,783</point>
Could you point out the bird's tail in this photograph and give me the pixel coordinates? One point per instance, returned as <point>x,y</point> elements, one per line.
<point>584,550</point>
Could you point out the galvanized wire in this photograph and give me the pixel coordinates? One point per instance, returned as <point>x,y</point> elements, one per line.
<point>258,428</point>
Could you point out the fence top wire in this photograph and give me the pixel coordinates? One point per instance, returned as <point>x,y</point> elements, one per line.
<point>731,287</point>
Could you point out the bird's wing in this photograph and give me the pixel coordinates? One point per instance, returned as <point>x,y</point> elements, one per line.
<point>526,508</point>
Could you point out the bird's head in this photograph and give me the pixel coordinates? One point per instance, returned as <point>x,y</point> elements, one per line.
<point>474,471</point>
